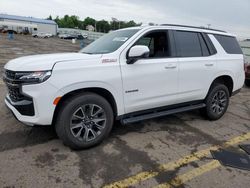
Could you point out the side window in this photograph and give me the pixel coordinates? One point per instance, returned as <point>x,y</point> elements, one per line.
<point>144,41</point>
<point>157,43</point>
<point>147,41</point>
<point>204,47</point>
<point>210,45</point>
<point>188,44</point>
<point>229,44</point>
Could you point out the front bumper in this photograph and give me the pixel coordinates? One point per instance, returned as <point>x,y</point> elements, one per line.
<point>39,110</point>
<point>24,107</point>
<point>24,119</point>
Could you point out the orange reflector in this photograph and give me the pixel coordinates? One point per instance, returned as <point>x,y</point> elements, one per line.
<point>56,101</point>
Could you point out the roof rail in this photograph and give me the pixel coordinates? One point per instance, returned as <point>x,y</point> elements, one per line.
<point>193,27</point>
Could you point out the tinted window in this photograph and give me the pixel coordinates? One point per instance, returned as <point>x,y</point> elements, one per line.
<point>144,41</point>
<point>157,43</point>
<point>109,42</point>
<point>188,44</point>
<point>210,45</point>
<point>229,44</point>
<point>204,47</point>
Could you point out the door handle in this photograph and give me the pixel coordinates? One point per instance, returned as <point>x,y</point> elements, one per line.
<point>170,66</point>
<point>209,64</point>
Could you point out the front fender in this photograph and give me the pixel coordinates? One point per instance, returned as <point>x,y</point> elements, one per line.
<point>94,84</point>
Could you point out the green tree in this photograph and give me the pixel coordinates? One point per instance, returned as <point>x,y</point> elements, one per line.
<point>49,18</point>
<point>131,23</point>
<point>101,25</point>
<point>89,21</point>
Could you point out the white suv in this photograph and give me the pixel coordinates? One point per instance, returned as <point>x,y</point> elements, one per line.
<point>42,35</point>
<point>128,75</point>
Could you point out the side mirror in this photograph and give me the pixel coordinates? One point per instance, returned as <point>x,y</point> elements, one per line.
<point>137,52</point>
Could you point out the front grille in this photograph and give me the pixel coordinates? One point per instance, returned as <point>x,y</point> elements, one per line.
<point>13,85</point>
<point>15,94</point>
<point>10,74</point>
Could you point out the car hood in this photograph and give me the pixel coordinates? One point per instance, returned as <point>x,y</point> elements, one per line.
<point>46,61</point>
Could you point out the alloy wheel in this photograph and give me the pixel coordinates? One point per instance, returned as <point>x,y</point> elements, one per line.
<point>88,122</point>
<point>219,102</point>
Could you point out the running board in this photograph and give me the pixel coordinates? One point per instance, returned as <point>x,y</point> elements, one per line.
<point>155,114</point>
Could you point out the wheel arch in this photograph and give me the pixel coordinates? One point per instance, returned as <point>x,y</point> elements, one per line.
<point>227,80</point>
<point>97,90</point>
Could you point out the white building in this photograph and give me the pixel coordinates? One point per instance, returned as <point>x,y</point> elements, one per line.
<point>21,24</point>
<point>90,28</point>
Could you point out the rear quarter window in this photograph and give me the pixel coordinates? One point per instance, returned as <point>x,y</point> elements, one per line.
<point>230,44</point>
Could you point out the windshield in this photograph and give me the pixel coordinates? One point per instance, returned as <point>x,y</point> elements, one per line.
<point>109,42</point>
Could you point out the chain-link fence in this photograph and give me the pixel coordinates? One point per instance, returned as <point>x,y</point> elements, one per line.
<point>91,35</point>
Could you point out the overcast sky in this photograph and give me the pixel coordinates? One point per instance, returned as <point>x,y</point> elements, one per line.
<point>230,15</point>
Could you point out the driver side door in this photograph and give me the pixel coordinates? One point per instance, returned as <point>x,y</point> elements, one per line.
<point>151,82</point>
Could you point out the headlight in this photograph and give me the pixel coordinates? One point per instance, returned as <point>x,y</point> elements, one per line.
<point>33,77</point>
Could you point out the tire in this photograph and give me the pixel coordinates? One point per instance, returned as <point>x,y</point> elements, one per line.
<point>217,102</point>
<point>247,83</point>
<point>84,120</point>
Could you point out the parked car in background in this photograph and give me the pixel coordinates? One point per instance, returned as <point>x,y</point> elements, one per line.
<point>82,36</point>
<point>8,31</point>
<point>70,36</point>
<point>1,29</point>
<point>73,36</point>
<point>85,35</point>
<point>67,36</point>
<point>62,36</point>
<point>247,74</point>
<point>42,35</point>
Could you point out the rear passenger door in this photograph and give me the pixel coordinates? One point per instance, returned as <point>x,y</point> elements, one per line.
<point>197,64</point>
